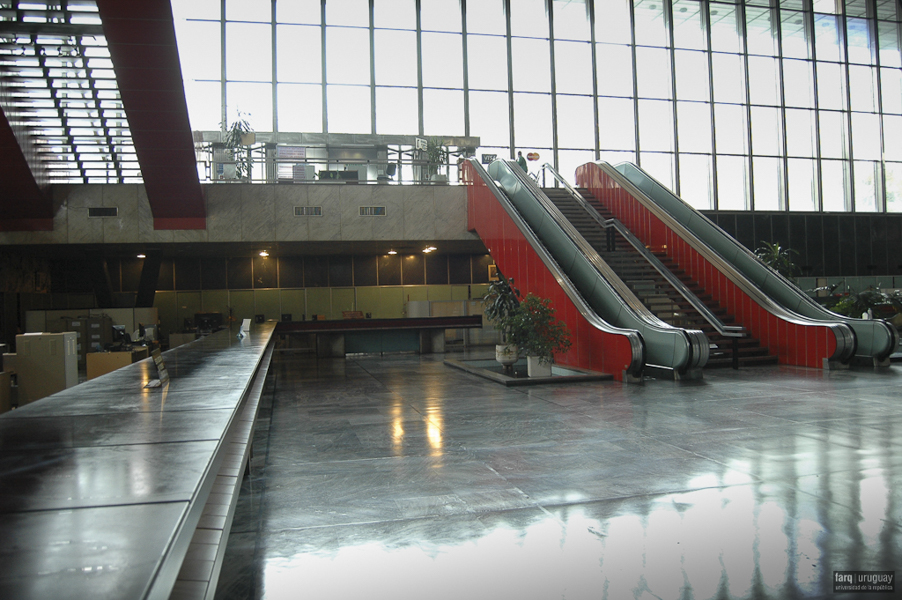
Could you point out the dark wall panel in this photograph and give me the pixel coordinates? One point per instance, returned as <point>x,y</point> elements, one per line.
<point>814,244</point>
<point>796,241</point>
<point>481,268</point>
<point>846,242</point>
<point>412,269</point>
<point>341,271</point>
<point>316,271</point>
<point>365,269</point>
<point>862,250</point>
<point>894,246</point>
<point>879,259</point>
<point>187,274</point>
<point>265,272</point>
<point>390,269</point>
<point>131,274</point>
<point>436,269</point>
<point>745,231</point>
<point>459,268</point>
<point>240,272</point>
<point>213,274</point>
<point>832,267</point>
<point>166,281</point>
<point>763,230</point>
<point>291,272</point>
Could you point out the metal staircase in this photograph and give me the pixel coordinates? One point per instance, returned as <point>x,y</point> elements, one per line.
<point>652,288</point>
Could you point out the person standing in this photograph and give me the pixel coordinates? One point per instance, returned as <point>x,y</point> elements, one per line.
<point>521,161</point>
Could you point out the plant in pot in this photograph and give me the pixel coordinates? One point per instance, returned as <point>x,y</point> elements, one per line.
<point>778,258</point>
<point>501,303</point>
<point>237,139</point>
<point>538,334</point>
<point>436,156</point>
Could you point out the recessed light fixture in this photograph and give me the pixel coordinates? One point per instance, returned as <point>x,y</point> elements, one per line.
<point>392,252</point>
<point>429,249</point>
<point>142,256</point>
<point>264,253</point>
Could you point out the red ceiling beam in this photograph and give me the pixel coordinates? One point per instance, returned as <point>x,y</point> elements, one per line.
<point>23,205</point>
<point>141,38</point>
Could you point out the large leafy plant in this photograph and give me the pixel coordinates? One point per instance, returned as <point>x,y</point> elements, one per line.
<point>536,331</point>
<point>778,258</point>
<point>234,140</point>
<point>500,303</point>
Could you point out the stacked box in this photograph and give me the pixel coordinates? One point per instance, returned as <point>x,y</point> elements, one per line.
<point>99,332</point>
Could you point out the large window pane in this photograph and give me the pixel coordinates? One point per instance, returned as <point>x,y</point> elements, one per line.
<point>571,20</point>
<point>891,90</point>
<point>196,9</point>
<point>889,38</point>
<point>532,120</point>
<point>199,49</point>
<point>300,108</point>
<point>694,126</point>
<point>443,112</point>
<point>653,73</point>
<point>798,83</point>
<point>347,56</point>
<point>531,65</point>
<point>759,27</point>
<point>729,78</point>
<point>573,67</point>
<point>767,132</point>
<point>486,16</point>
<point>442,60</point>
<point>615,70</point>
<point>795,35</point>
<point>732,183</point>
<point>394,14</point>
<point>865,136</point>
<point>692,75</point>
<point>299,11</point>
<point>299,54</point>
<point>254,100</point>
<point>569,160</point>
<point>396,111</point>
<point>688,26</point>
<point>862,88</point>
<point>730,129</point>
<point>440,15</point>
<point>349,109</point>
<point>489,118</point>
<point>892,137</point>
<point>201,96</point>
<point>893,175</point>
<point>612,21</point>
<point>831,86</point>
<point>764,82</point>
<point>651,30</point>
<point>528,18</point>
<point>487,62</point>
<point>396,57</point>
<point>724,29</point>
<point>867,178</point>
<point>248,52</point>
<point>660,166</point>
<point>859,38</point>
<point>249,10</point>
<point>616,124</point>
<point>575,122</point>
<point>827,41</point>
<point>655,125</point>
<point>800,132</point>
<point>696,181</point>
<point>802,185</point>
<point>835,178</point>
<point>348,12</point>
<point>768,182</point>
<point>833,134</point>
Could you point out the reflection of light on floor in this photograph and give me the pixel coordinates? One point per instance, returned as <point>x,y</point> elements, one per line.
<point>874,497</point>
<point>435,423</point>
<point>397,432</point>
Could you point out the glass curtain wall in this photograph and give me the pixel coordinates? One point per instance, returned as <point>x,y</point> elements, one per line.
<point>789,105</point>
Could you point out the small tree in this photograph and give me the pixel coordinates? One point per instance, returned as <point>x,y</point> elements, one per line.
<point>778,258</point>
<point>235,137</point>
<point>536,331</point>
<point>500,303</point>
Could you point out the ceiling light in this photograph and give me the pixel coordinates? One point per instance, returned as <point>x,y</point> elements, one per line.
<point>142,256</point>
<point>264,253</point>
<point>393,252</point>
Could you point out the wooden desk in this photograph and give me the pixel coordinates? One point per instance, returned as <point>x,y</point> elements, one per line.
<point>101,363</point>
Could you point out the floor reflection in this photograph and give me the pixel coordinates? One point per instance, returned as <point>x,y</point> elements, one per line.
<point>403,479</point>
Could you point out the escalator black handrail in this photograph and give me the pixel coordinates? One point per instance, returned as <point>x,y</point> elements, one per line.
<point>706,313</point>
<point>637,344</point>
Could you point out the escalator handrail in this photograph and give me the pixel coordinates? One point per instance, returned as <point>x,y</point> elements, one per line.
<point>697,342</point>
<point>706,313</point>
<point>637,344</point>
<point>845,337</point>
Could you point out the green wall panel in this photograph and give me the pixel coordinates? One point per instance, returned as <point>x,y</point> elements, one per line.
<point>242,303</point>
<point>479,290</point>
<point>267,303</point>
<point>460,292</point>
<point>165,303</point>
<point>342,299</point>
<point>439,293</point>
<point>319,302</point>
<point>216,301</point>
<point>188,305</point>
<point>294,302</point>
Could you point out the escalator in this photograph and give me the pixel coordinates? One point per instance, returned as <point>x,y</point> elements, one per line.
<point>876,339</point>
<point>793,338</point>
<point>651,279</point>
<point>533,243</point>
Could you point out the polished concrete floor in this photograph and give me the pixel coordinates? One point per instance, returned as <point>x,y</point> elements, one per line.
<point>398,477</point>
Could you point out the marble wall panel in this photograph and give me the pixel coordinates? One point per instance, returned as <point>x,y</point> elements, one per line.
<point>224,212</point>
<point>290,228</point>
<point>419,212</point>
<point>353,226</point>
<point>258,213</point>
<point>451,213</point>
<point>327,227</point>
<point>123,228</point>
<point>145,221</point>
<point>391,226</point>
<point>81,229</point>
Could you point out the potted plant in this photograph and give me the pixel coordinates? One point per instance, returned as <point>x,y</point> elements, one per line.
<point>538,334</point>
<point>436,156</point>
<point>237,139</point>
<point>778,258</point>
<point>501,303</point>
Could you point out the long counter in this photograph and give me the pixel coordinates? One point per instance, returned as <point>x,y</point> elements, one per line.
<point>102,486</point>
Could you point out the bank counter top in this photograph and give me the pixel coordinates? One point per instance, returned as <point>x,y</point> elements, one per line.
<point>102,485</point>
